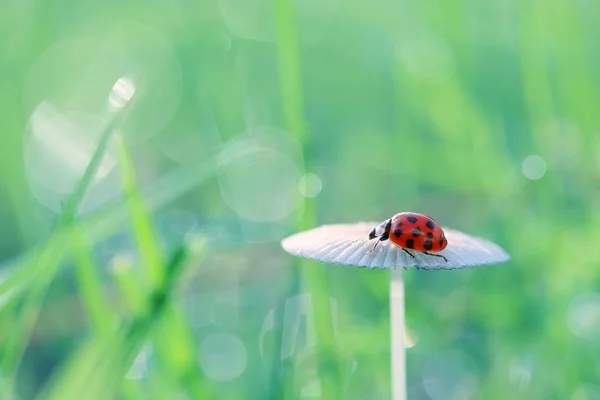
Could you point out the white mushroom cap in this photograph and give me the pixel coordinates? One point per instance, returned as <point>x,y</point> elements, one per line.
<point>349,244</point>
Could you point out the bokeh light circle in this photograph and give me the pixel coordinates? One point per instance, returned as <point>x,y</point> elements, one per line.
<point>310,185</point>
<point>534,167</point>
<point>223,356</point>
<point>79,74</point>
<point>587,391</point>
<point>259,177</point>
<point>583,315</point>
<point>57,150</point>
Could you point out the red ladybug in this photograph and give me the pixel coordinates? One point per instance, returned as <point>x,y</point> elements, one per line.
<point>413,231</point>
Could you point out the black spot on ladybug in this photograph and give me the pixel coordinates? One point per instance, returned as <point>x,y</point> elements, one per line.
<point>411,219</point>
<point>410,244</point>
<point>441,239</point>
<point>428,244</point>
<point>398,232</point>
<point>430,224</point>
<point>399,224</point>
<point>429,235</point>
<point>416,232</point>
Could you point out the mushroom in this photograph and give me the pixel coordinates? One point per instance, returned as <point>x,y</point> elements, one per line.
<point>349,244</point>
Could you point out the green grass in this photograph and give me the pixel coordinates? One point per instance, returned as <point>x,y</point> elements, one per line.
<point>395,106</point>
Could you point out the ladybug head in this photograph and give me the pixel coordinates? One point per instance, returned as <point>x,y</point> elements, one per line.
<point>380,229</point>
<point>372,234</point>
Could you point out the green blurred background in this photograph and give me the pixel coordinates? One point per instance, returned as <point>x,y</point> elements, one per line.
<point>252,120</point>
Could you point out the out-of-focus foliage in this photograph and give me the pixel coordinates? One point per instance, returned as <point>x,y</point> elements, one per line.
<point>249,120</point>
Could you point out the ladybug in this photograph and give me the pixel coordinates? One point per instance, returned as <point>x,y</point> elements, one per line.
<point>414,231</point>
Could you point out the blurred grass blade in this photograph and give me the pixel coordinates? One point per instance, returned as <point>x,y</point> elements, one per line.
<point>177,347</point>
<point>72,204</point>
<point>128,283</point>
<point>143,230</point>
<point>170,187</point>
<point>21,327</point>
<point>46,263</point>
<point>313,276</point>
<point>114,118</point>
<point>89,284</point>
<point>289,68</point>
<point>174,340</point>
<point>106,221</point>
<point>96,370</point>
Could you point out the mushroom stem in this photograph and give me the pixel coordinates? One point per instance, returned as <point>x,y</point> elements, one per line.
<point>398,366</point>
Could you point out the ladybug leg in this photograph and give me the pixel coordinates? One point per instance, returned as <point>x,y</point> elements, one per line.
<point>408,252</point>
<point>381,239</point>
<point>436,255</point>
<point>374,247</point>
